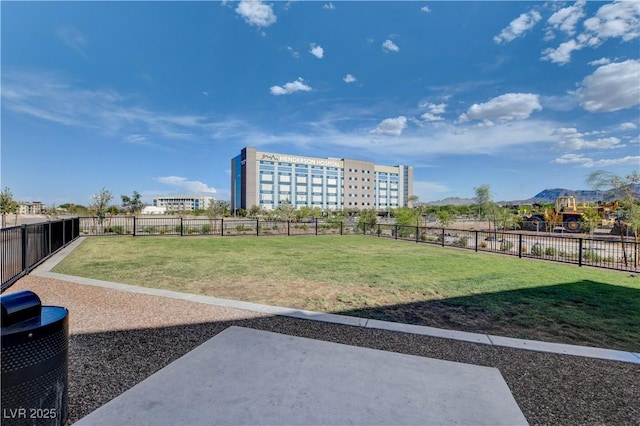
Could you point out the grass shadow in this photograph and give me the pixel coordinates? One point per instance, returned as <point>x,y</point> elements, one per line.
<point>583,313</point>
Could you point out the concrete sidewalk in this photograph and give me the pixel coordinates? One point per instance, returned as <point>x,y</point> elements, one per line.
<point>246,376</point>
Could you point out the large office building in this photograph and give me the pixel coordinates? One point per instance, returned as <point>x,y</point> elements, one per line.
<point>182,202</point>
<point>266,179</point>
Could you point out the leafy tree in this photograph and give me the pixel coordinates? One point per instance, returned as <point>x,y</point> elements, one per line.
<point>285,210</point>
<point>625,186</point>
<point>444,217</point>
<point>254,211</point>
<point>132,204</point>
<point>486,206</point>
<point>8,205</point>
<point>367,219</point>
<point>589,219</point>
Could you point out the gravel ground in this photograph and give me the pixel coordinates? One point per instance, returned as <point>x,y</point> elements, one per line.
<point>117,339</point>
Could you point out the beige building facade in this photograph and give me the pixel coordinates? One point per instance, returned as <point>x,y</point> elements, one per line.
<point>266,179</point>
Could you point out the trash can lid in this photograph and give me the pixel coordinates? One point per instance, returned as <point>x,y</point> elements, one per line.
<point>49,315</point>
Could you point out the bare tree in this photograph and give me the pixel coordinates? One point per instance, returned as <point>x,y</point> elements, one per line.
<point>100,206</point>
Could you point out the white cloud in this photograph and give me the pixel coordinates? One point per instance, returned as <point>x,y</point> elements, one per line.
<point>328,6</point>
<point>510,106</point>
<point>434,112</point>
<point>562,54</point>
<point>628,126</point>
<point>194,187</point>
<point>349,79</point>
<point>567,18</point>
<point>51,98</point>
<point>518,27</point>
<point>425,9</point>
<point>619,19</point>
<point>289,88</point>
<point>389,46</point>
<point>601,61</point>
<point>573,140</point>
<point>257,13</point>
<point>316,50</point>
<point>611,87</point>
<point>583,161</point>
<point>391,126</point>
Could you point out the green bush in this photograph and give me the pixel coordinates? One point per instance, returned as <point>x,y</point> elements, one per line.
<point>506,246</point>
<point>537,250</point>
<point>150,229</point>
<point>206,228</point>
<point>117,229</point>
<point>462,242</point>
<point>591,255</point>
<point>551,251</point>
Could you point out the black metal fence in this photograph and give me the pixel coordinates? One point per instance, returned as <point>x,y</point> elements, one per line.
<point>141,226</point>
<point>25,246</point>
<point>611,253</point>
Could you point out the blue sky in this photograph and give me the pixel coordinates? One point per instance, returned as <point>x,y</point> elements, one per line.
<point>158,97</point>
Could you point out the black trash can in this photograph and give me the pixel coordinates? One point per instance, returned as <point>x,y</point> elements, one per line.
<point>35,360</point>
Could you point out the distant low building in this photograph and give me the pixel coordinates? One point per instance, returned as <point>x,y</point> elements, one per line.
<point>179,203</point>
<point>154,210</point>
<point>33,207</point>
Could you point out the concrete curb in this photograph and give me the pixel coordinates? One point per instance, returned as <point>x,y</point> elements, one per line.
<point>44,270</point>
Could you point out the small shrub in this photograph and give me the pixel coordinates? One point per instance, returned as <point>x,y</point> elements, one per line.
<point>178,228</point>
<point>550,251</point>
<point>524,248</point>
<point>483,244</point>
<point>591,255</point>
<point>116,229</point>
<point>537,250</point>
<point>506,246</point>
<point>150,229</point>
<point>461,242</point>
<point>206,228</point>
<point>241,228</point>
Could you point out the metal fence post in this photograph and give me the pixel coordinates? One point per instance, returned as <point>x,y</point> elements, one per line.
<point>476,232</point>
<point>364,228</point>
<point>257,227</point>
<point>316,226</point>
<point>396,233</point>
<point>134,226</point>
<point>417,234</point>
<point>378,231</point>
<point>181,228</point>
<point>341,228</point>
<point>520,246</point>
<point>579,251</point>
<point>288,228</point>
<point>442,237</point>
<point>50,235</point>
<point>25,242</point>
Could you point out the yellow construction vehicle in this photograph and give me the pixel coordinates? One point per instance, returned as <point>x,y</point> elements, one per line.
<point>567,213</point>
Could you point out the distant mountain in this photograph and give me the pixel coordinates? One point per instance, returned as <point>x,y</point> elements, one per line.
<point>546,196</point>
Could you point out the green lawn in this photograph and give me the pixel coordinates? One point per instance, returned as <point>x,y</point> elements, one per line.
<point>383,279</point>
